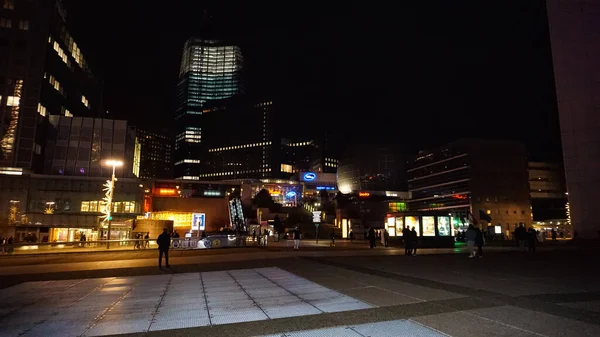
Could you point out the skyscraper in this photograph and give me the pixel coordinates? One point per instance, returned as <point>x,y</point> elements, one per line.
<point>574,27</point>
<point>210,70</point>
<point>42,72</point>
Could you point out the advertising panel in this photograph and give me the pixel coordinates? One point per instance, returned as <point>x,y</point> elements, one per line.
<point>198,221</point>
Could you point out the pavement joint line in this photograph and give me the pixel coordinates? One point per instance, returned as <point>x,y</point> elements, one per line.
<point>101,316</point>
<point>162,298</point>
<point>584,296</point>
<point>205,299</point>
<point>246,292</point>
<point>296,295</point>
<point>324,320</point>
<point>504,324</point>
<point>428,327</point>
<point>521,302</point>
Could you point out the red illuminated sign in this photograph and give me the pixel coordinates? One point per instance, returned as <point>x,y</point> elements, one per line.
<point>459,196</point>
<point>364,194</point>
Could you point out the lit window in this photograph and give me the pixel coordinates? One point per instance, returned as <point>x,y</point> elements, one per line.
<point>12,101</point>
<point>55,84</point>
<point>6,23</point>
<point>24,25</point>
<point>85,101</point>
<point>38,149</point>
<point>42,110</point>
<point>68,113</point>
<point>85,206</point>
<point>286,168</point>
<point>9,4</point>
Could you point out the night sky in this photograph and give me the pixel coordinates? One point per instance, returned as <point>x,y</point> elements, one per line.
<point>410,76</point>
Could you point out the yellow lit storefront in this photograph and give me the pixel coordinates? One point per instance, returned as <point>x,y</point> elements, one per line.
<point>182,221</point>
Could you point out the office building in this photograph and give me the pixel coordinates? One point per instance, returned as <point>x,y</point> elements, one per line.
<point>473,177</point>
<point>43,72</point>
<point>156,150</point>
<point>548,193</point>
<point>210,70</point>
<point>575,54</point>
<point>79,146</point>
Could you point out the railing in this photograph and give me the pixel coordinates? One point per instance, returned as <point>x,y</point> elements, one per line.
<point>212,241</point>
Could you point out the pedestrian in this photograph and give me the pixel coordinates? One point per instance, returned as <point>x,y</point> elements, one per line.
<point>352,235</point>
<point>265,237</point>
<point>407,240</point>
<point>163,242</point>
<point>386,238</point>
<point>371,236</point>
<point>414,241</point>
<point>297,236</point>
<point>521,236</point>
<point>479,241</point>
<point>147,240</point>
<point>254,236</point>
<point>531,239</point>
<point>553,234</point>
<point>332,244</point>
<point>471,236</point>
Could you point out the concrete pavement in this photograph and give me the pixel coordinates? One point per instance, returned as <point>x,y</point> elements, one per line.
<point>549,293</point>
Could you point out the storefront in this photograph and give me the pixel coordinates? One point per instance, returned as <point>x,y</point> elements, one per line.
<point>434,229</point>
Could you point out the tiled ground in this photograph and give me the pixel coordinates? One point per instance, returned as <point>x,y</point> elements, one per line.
<point>97,307</point>
<point>398,328</point>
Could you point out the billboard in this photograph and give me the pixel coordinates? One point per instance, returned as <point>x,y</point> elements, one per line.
<point>198,221</point>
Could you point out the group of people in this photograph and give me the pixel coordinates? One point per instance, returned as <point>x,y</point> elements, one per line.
<point>263,238</point>
<point>139,244</point>
<point>6,245</point>
<point>527,237</point>
<point>475,238</point>
<point>411,241</point>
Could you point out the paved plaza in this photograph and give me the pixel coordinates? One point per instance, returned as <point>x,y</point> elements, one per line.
<point>320,293</point>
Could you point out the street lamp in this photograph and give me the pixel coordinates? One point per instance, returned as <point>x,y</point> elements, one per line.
<point>109,188</point>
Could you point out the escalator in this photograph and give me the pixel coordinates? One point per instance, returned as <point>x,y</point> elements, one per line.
<point>236,215</point>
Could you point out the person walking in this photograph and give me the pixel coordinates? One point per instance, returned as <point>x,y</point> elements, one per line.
<point>414,241</point>
<point>479,241</point>
<point>352,235</point>
<point>521,236</point>
<point>332,244</point>
<point>297,235</point>
<point>163,242</point>
<point>532,239</point>
<point>471,236</point>
<point>386,238</point>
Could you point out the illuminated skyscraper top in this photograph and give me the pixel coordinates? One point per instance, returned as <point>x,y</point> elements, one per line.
<point>210,70</point>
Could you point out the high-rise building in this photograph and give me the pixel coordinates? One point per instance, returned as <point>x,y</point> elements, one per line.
<point>155,154</point>
<point>43,72</point>
<point>547,191</point>
<point>210,70</point>
<point>574,27</point>
<point>78,146</point>
<point>471,177</point>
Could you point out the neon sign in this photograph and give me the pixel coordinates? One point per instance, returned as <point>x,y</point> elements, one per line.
<point>364,194</point>
<point>459,196</point>
<point>326,188</point>
<point>309,176</point>
<point>290,194</point>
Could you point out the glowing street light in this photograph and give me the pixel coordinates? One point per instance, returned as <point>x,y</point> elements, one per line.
<point>109,189</point>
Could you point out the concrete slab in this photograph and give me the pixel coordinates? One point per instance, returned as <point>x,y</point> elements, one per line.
<point>588,305</point>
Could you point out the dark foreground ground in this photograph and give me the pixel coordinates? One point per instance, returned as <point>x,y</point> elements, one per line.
<point>506,293</point>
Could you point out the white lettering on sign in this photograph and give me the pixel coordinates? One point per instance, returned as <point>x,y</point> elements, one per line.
<point>316,216</point>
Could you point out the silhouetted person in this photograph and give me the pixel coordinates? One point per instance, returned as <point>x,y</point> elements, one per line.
<point>531,239</point>
<point>332,244</point>
<point>479,242</point>
<point>163,242</point>
<point>521,236</point>
<point>352,235</point>
<point>372,237</point>
<point>407,243</point>
<point>386,238</point>
<point>553,234</point>
<point>414,241</point>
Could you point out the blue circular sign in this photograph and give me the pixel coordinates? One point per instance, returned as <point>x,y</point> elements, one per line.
<point>309,176</point>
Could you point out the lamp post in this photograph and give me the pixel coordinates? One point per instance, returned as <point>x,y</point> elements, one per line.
<point>110,190</point>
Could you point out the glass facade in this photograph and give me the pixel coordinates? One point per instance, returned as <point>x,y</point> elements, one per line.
<point>210,70</point>
<point>77,146</point>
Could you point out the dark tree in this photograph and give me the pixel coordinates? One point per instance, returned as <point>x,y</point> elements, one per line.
<point>263,199</point>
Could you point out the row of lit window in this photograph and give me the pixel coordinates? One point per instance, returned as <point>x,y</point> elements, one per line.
<point>7,23</point>
<point>236,147</point>
<point>60,51</point>
<point>189,178</point>
<point>220,174</point>
<point>331,164</point>
<point>100,206</point>
<point>331,160</point>
<point>300,144</point>
<point>54,82</point>
<point>286,168</point>
<point>263,104</point>
<point>188,161</point>
<point>85,101</point>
